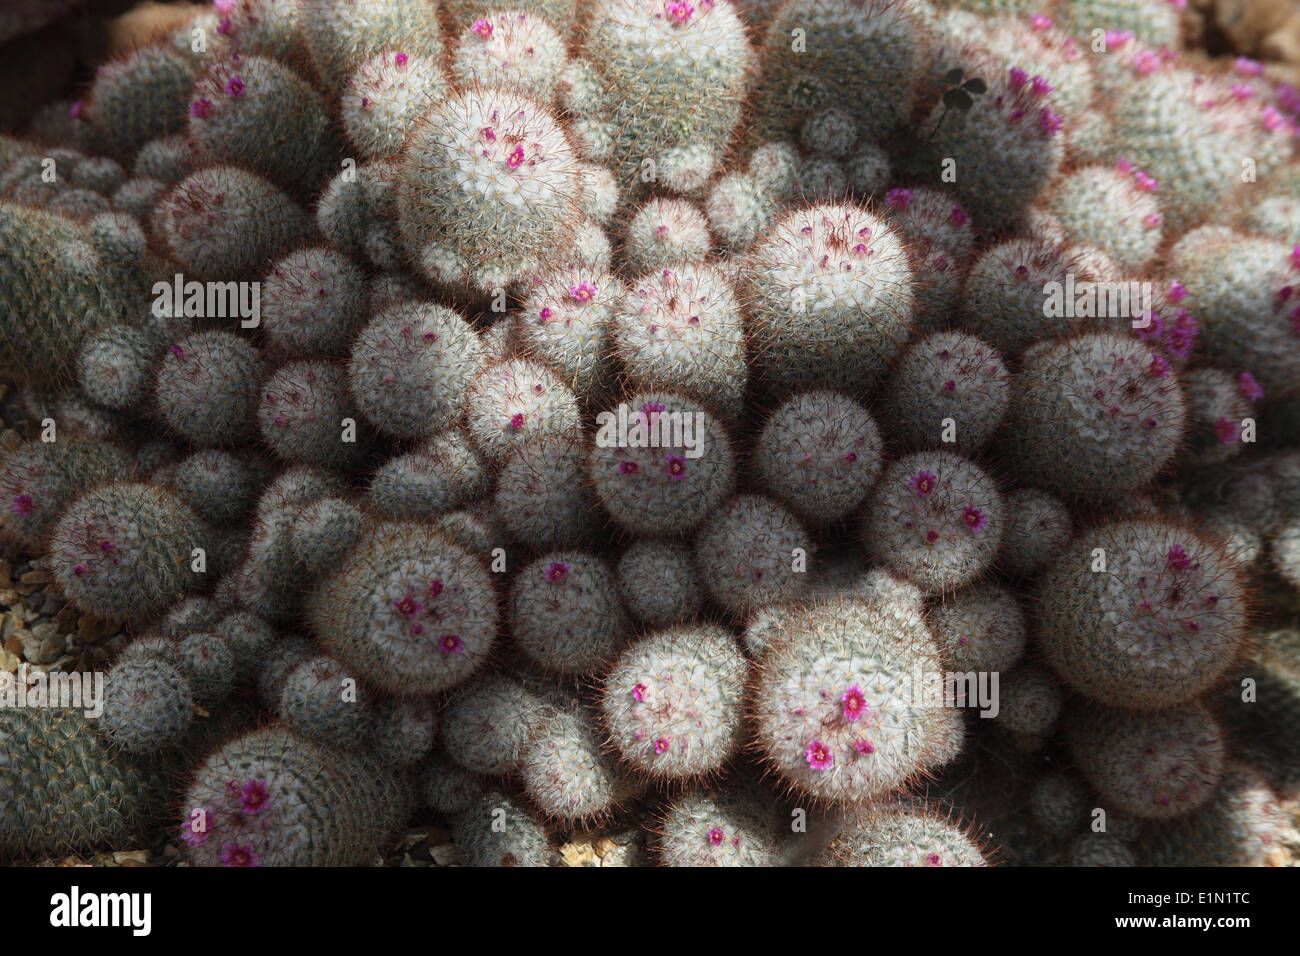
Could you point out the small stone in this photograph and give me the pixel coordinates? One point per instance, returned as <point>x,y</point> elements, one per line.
<point>39,576</point>
<point>66,619</point>
<point>448,854</point>
<point>8,624</point>
<point>579,854</point>
<point>605,845</point>
<point>51,605</point>
<point>8,597</point>
<point>131,857</point>
<point>11,661</point>
<point>45,630</point>
<point>16,643</point>
<point>6,574</point>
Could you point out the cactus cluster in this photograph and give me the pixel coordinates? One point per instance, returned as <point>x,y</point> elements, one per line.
<point>674,417</point>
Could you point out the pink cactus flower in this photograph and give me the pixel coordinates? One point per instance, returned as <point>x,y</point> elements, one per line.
<point>661,745</point>
<point>482,28</point>
<point>451,644</point>
<point>1178,558</point>
<point>517,421</point>
<point>516,158</point>
<point>899,197</point>
<point>583,292</point>
<point>1250,386</point>
<point>638,693</point>
<point>201,108</point>
<point>239,854</point>
<point>958,216</point>
<point>676,467</point>
<point>864,747</point>
<point>557,571</point>
<point>1159,367</point>
<point>628,468</point>
<point>1226,431</point>
<point>24,505</point>
<point>235,87</point>
<point>975,519</point>
<point>818,755</point>
<point>922,483</point>
<point>855,704</point>
<point>716,836</point>
<point>680,10</point>
<point>254,797</point>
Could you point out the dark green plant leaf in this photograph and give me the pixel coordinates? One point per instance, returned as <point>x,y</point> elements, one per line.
<point>958,100</point>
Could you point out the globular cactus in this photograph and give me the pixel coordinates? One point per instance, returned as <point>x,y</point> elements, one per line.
<point>565,325</point>
<point>1038,528</point>
<point>209,664</point>
<point>838,706</point>
<point>447,789</point>
<point>411,612</point>
<point>1029,703</point>
<point>981,629</point>
<point>828,281</point>
<point>1009,144</point>
<point>165,160</point>
<point>206,387</point>
<point>1241,826</point>
<point>664,232</point>
<point>819,454</point>
<point>250,639</point>
<point>719,828</point>
<point>223,222</point>
<point>56,290</point>
<point>319,702</point>
<point>123,550</point>
<point>512,49</point>
<point>658,583</point>
<point>487,726</point>
<point>903,835</point>
<point>1058,803</point>
<point>680,328</point>
<point>115,367</point>
<point>487,189</point>
<point>1145,611</point>
<point>220,486</point>
<point>1277,217</point>
<point>140,97</point>
<point>1115,209</point>
<point>404,732</point>
<point>567,774</point>
<point>1101,849</point>
<point>648,480</point>
<point>410,369</point>
<point>498,831</point>
<point>541,496</point>
<point>1241,290</point>
<point>257,113</point>
<point>64,788</point>
<point>38,480</point>
<point>868,54</point>
<point>310,300</point>
<point>302,414</point>
<point>439,475</point>
<point>674,76</point>
<point>1096,415</point>
<point>148,705</point>
<point>1151,766</point>
<point>565,614</point>
<point>342,34</point>
<point>513,402</point>
<point>270,798</point>
<point>753,552</point>
<point>672,702</point>
<point>937,519</point>
<point>1217,409</point>
<point>386,97</point>
<point>271,28</point>
<point>948,376</point>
